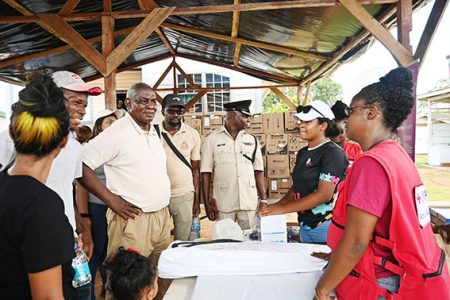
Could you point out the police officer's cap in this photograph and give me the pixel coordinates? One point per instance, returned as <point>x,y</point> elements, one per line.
<point>241,106</point>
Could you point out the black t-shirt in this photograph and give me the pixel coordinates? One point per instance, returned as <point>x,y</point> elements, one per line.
<point>327,162</point>
<point>35,235</point>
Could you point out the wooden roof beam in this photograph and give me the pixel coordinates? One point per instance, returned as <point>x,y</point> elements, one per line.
<point>163,75</point>
<point>21,58</point>
<point>62,30</point>
<point>400,53</point>
<point>19,7</point>
<point>430,29</point>
<point>194,100</point>
<point>404,22</point>
<point>283,98</point>
<point>165,40</point>
<point>186,76</point>
<point>234,33</point>
<point>194,10</point>
<point>262,45</point>
<point>136,37</point>
<point>68,7</point>
<point>250,72</point>
<point>283,85</point>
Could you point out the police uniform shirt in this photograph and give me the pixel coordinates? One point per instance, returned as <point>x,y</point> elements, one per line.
<point>234,185</point>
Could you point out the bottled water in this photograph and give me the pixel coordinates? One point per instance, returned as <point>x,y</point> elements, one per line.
<point>81,267</point>
<point>195,229</point>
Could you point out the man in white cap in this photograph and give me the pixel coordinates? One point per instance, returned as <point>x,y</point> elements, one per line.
<point>236,160</point>
<point>67,166</point>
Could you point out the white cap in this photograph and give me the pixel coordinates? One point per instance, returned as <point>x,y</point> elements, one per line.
<point>72,82</point>
<point>107,112</point>
<point>314,110</point>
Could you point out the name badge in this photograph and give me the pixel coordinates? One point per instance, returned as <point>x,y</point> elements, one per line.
<point>422,205</point>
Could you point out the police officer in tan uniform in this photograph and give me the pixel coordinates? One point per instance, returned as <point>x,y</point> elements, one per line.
<point>235,158</point>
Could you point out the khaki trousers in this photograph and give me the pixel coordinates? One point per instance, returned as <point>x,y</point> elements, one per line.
<point>180,208</point>
<point>245,218</point>
<point>148,232</point>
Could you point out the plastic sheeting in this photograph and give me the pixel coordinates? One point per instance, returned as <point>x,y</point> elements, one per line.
<point>320,30</point>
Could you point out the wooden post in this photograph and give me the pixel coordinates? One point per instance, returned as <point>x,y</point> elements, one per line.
<point>174,75</point>
<point>107,48</point>
<point>299,94</point>
<point>404,22</point>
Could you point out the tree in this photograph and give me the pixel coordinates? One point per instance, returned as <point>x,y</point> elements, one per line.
<point>326,90</point>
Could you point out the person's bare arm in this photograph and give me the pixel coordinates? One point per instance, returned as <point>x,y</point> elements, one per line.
<point>357,236</point>
<point>323,194</point>
<point>260,185</point>
<point>211,209</point>
<point>47,285</point>
<point>91,183</point>
<point>196,178</point>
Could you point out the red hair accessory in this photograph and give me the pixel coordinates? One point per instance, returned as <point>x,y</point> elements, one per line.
<point>134,250</point>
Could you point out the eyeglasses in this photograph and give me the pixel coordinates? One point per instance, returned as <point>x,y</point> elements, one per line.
<point>172,111</point>
<point>144,101</point>
<point>307,108</point>
<point>352,108</point>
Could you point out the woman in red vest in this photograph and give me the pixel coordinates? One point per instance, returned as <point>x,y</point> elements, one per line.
<point>381,238</point>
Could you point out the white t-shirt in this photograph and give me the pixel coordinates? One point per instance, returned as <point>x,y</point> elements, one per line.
<point>66,167</point>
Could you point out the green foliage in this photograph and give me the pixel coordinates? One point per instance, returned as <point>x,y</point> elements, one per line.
<point>325,90</point>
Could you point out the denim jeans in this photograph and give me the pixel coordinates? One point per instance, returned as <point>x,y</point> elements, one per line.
<point>85,292</point>
<point>100,239</point>
<point>392,284</point>
<point>316,235</point>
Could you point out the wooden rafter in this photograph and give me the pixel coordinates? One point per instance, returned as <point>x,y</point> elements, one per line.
<point>400,53</point>
<point>195,10</point>
<point>19,7</point>
<point>158,97</point>
<point>194,100</point>
<point>163,75</point>
<point>107,48</point>
<point>107,6</point>
<point>165,40</point>
<point>240,69</point>
<point>404,22</point>
<point>62,30</point>
<point>234,33</point>
<point>68,7</point>
<point>261,45</point>
<point>174,74</point>
<point>186,76</point>
<point>430,28</point>
<point>147,4</point>
<point>21,58</point>
<point>283,98</point>
<point>136,37</point>
<point>229,88</point>
<point>358,39</point>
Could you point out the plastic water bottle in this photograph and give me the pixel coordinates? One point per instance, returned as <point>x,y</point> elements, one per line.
<point>81,267</point>
<point>258,227</point>
<point>195,229</point>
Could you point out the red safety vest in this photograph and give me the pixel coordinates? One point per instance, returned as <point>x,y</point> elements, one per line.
<point>420,262</point>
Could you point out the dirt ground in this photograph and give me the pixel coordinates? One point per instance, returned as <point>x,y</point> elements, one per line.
<point>436,179</point>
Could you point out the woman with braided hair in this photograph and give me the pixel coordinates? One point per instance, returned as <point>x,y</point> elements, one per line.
<point>381,238</point>
<point>36,239</point>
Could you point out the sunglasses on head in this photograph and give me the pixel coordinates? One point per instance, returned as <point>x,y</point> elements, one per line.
<point>306,109</point>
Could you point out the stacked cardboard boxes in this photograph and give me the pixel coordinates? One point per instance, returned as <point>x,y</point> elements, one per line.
<point>278,136</point>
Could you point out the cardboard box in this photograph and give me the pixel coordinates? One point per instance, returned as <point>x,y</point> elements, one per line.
<point>295,142</point>
<point>255,129</point>
<point>277,144</point>
<point>195,121</point>
<point>256,119</point>
<point>267,123</point>
<point>262,141</point>
<point>278,194</point>
<point>279,184</point>
<point>278,166</point>
<point>290,125</point>
<point>292,161</point>
<point>208,129</point>
<point>212,120</point>
<point>273,123</point>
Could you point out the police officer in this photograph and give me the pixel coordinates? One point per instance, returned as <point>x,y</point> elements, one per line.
<point>235,158</point>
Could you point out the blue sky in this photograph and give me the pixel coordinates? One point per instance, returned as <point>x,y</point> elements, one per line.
<point>377,61</point>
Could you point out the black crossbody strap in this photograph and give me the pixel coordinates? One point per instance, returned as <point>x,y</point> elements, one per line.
<point>158,131</point>
<point>175,150</point>
<point>254,150</point>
